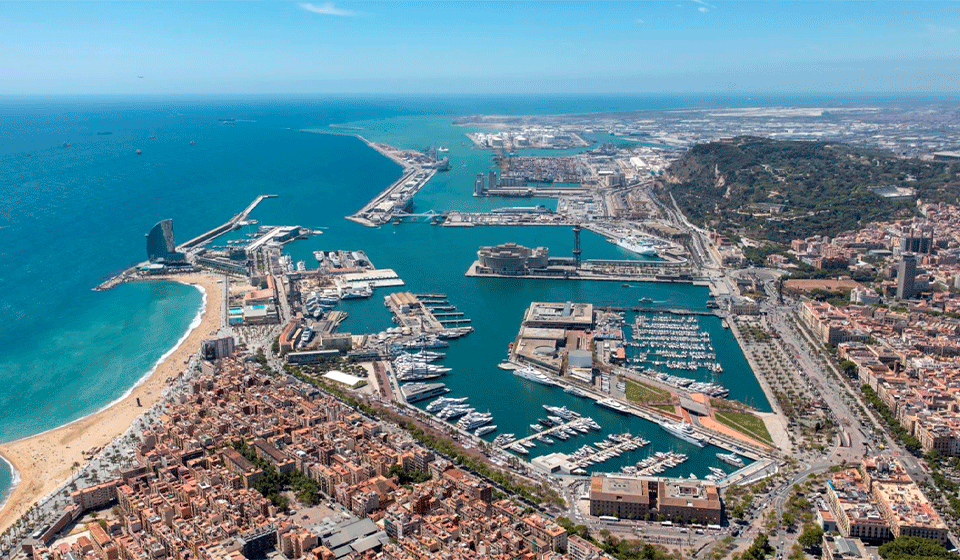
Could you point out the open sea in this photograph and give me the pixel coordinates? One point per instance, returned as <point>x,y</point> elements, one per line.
<point>72,216</point>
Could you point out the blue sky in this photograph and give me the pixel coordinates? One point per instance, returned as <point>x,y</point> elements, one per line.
<point>480,47</point>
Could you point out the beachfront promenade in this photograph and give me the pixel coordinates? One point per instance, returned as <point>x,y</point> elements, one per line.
<point>46,463</point>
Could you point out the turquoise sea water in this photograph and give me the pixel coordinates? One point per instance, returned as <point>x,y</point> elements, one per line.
<point>69,217</point>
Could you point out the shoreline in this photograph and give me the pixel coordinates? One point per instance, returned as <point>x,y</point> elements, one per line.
<point>42,462</point>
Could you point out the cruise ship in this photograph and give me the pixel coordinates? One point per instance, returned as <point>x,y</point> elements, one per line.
<point>614,405</point>
<point>683,431</point>
<point>531,374</point>
<point>638,246</point>
<point>730,459</point>
<point>414,392</point>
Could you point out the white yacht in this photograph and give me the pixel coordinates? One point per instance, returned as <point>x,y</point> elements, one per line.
<point>683,431</point>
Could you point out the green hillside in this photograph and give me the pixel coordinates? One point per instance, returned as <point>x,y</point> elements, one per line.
<point>783,190</point>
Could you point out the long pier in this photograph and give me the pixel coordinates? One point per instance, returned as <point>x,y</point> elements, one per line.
<point>196,241</point>
<point>545,432</point>
<point>224,228</point>
<point>396,199</point>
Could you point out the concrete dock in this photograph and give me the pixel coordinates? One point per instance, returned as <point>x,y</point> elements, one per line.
<point>640,271</point>
<point>398,197</point>
<point>228,226</point>
<point>546,432</point>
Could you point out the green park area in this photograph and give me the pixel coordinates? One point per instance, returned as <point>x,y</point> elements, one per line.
<point>746,424</point>
<point>643,393</point>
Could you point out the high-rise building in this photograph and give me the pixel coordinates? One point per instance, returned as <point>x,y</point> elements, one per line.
<point>478,187</point>
<point>906,276</point>
<point>160,243</point>
<point>919,239</point>
<point>492,182</point>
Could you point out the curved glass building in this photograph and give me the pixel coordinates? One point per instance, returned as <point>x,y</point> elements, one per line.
<point>160,244</point>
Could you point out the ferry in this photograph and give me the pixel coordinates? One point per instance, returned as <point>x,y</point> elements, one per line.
<point>531,374</point>
<point>683,431</point>
<point>730,459</point>
<point>646,300</point>
<point>359,292</point>
<point>614,405</point>
<point>637,245</point>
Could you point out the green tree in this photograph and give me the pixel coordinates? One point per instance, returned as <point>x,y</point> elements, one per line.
<point>811,538</point>
<point>915,548</point>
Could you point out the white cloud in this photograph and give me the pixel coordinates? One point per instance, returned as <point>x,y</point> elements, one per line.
<point>639,20</point>
<point>704,7</point>
<point>328,9</point>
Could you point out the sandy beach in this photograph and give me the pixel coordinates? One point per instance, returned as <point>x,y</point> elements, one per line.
<point>45,460</point>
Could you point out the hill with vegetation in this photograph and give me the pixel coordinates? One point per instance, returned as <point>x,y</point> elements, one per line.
<point>782,190</point>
